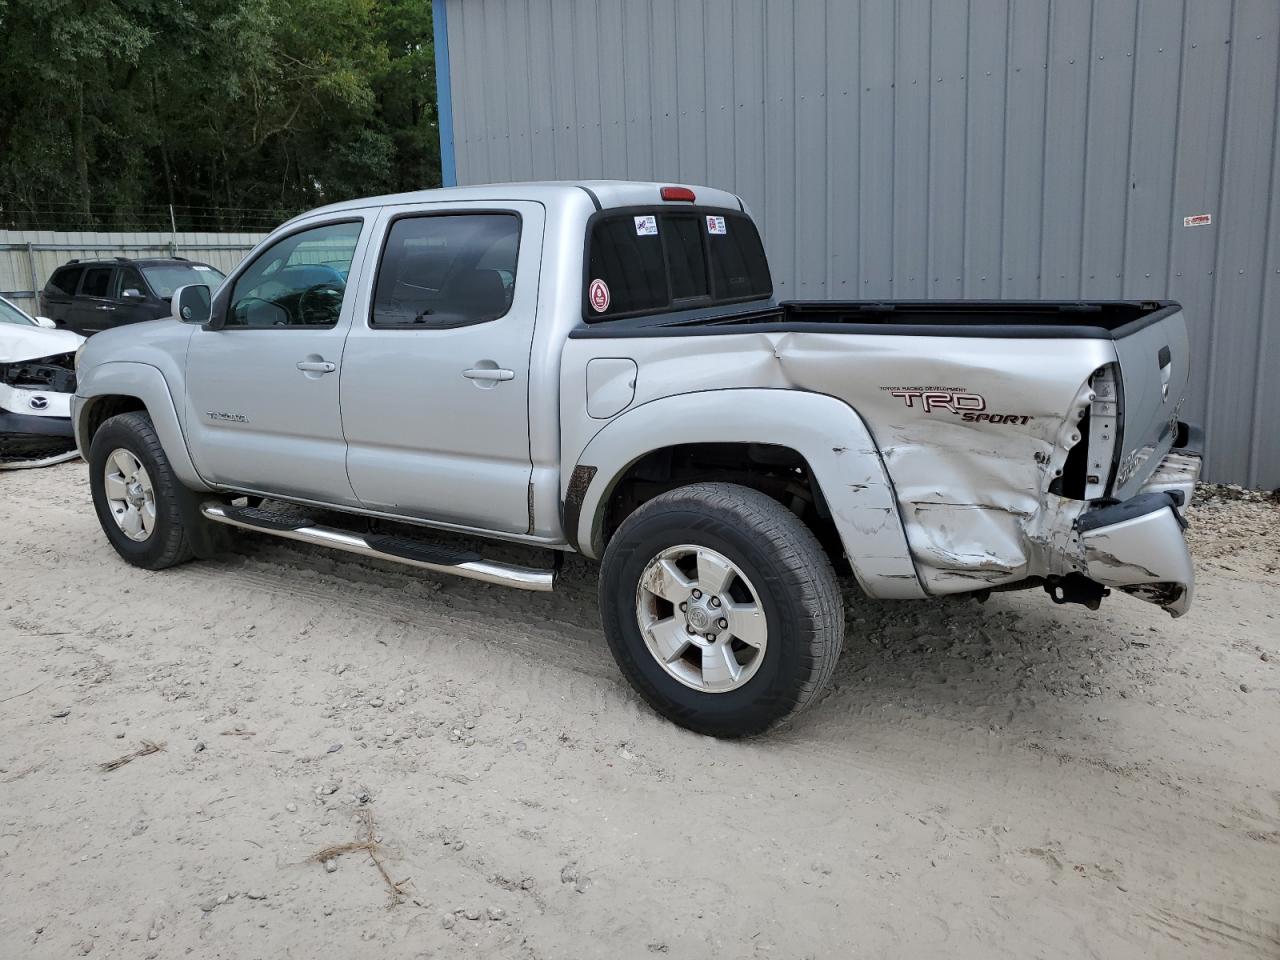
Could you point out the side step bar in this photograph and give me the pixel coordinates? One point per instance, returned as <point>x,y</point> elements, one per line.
<point>383,547</point>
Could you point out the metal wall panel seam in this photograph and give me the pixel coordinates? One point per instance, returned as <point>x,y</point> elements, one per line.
<point>1217,240</point>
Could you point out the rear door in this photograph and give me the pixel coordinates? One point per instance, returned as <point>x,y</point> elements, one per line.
<point>93,307</point>
<point>435,379</point>
<point>1154,373</point>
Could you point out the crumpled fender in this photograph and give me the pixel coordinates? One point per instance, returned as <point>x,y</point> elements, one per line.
<point>827,432</point>
<point>127,378</point>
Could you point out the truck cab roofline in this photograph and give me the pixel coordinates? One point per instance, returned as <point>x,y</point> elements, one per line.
<point>603,193</point>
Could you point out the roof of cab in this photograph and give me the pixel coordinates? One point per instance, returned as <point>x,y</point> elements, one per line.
<point>604,193</point>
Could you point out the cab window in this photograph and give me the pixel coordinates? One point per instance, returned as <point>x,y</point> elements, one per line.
<point>446,270</point>
<point>643,261</point>
<point>299,281</point>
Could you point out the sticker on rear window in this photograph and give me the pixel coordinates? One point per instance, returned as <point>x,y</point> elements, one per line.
<point>647,226</point>
<point>598,293</point>
<point>716,225</point>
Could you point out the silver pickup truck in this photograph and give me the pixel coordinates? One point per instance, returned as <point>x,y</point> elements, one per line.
<point>603,367</point>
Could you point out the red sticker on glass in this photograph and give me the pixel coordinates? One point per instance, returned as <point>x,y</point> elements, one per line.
<point>598,294</point>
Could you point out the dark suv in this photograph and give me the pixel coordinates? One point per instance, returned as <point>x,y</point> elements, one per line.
<point>91,295</point>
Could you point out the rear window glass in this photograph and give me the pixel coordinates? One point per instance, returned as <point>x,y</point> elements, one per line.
<point>646,262</point>
<point>687,261</point>
<point>65,280</point>
<point>739,268</point>
<point>627,271</point>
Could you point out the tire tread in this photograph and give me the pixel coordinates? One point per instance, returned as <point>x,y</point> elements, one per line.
<point>805,570</point>
<point>176,545</point>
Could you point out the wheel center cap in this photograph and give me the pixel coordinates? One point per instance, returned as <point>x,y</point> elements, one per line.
<point>699,618</point>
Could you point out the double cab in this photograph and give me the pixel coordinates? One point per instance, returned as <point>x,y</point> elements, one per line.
<point>604,368</point>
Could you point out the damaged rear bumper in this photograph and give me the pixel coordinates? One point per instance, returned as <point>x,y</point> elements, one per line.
<point>1138,546</point>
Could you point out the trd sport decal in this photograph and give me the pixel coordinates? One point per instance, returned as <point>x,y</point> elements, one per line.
<point>970,407</point>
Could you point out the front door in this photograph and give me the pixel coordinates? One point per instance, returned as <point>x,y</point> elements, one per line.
<point>131,299</point>
<point>435,380</point>
<point>262,392</point>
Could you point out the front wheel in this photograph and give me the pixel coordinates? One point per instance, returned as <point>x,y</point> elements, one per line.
<point>135,493</point>
<point>721,608</point>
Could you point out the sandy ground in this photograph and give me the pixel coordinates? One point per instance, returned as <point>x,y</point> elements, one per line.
<point>1010,780</point>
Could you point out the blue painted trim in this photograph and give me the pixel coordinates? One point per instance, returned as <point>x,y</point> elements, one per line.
<point>444,91</point>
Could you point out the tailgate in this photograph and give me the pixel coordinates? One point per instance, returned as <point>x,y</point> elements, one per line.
<point>1154,372</point>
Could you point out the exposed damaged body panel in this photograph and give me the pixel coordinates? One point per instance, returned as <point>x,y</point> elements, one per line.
<point>993,446</point>
<point>37,381</point>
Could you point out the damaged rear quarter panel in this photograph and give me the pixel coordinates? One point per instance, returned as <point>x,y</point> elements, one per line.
<point>972,494</point>
<point>973,490</point>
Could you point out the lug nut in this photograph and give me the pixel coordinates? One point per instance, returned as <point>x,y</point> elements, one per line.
<point>724,624</point>
<point>711,637</point>
<point>715,601</point>
<point>697,594</point>
<point>684,606</point>
<point>690,629</point>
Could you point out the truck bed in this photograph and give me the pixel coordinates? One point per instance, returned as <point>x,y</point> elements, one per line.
<point>1024,319</point>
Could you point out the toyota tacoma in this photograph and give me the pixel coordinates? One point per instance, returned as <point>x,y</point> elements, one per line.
<point>603,368</point>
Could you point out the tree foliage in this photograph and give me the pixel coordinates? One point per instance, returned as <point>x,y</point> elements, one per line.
<point>236,112</point>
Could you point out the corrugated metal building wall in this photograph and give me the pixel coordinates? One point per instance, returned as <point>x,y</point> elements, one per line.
<point>908,148</point>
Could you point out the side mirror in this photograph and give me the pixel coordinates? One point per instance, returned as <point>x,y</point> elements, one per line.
<point>45,322</point>
<point>131,294</point>
<point>192,304</point>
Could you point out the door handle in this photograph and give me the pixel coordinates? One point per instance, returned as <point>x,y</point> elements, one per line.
<point>106,308</point>
<point>317,366</point>
<point>488,373</point>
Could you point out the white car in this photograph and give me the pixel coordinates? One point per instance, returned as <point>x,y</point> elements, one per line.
<point>37,381</point>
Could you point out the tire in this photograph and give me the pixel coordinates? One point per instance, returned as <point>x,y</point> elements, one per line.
<point>779,565</point>
<point>167,543</point>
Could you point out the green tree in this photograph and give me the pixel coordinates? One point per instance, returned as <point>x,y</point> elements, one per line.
<point>236,112</point>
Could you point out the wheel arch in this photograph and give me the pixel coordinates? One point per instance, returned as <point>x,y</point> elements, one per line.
<point>826,434</point>
<point>118,387</point>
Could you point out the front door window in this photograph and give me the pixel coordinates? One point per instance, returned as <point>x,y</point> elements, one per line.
<point>299,281</point>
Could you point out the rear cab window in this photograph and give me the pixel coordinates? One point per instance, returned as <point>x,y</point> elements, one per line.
<point>446,270</point>
<point>652,260</point>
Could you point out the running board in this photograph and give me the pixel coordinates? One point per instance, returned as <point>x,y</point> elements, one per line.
<point>382,547</point>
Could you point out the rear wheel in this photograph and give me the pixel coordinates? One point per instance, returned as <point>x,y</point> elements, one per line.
<point>135,493</point>
<point>721,608</point>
